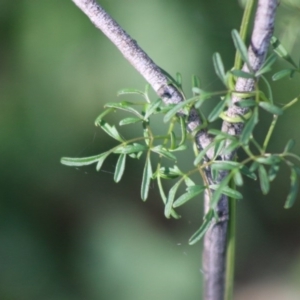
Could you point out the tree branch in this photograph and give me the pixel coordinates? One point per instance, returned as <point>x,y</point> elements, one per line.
<point>215,239</point>
<point>142,63</point>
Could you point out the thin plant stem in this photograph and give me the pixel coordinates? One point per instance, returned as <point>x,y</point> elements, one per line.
<point>231,234</point>
<point>243,31</point>
<point>269,134</point>
<point>230,251</point>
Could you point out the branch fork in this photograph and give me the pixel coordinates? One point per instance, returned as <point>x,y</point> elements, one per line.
<point>215,238</point>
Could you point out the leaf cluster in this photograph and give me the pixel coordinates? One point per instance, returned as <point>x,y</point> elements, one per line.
<point>211,163</point>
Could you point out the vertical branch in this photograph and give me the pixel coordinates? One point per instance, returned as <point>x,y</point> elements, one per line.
<point>215,238</point>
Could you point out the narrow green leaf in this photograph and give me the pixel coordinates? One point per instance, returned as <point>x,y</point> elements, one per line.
<point>263,179</point>
<point>269,160</point>
<point>221,135</point>
<point>281,51</point>
<point>152,107</point>
<point>231,147</point>
<point>127,121</point>
<point>188,181</point>
<point>219,67</point>
<point>241,47</point>
<point>170,173</point>
<point>173,111</point>
<point>146,135</point>
<point>201,155</point>
<point>103,114</point>
<point>249,127</point>
<point>281,74</point>
<point>191,193</point>
<point>196,82</point>
<point>147,174</point>
<point>196,91</point>
<point>216,111</point>
<point>269,89</point>
<point>238,178</point>
<point>135,147</point>
<point>130,91</point>
<point>164,152</point>
<point>83,161</point>
<point>170,199</point>
<point>253,167</point>
<point>218,191</point>
<point>273,109</point>
<point>101,160</point>
<point>126,106</point>
<point>182,130</point>
<point>174,214</point>
<point>290,144</point>
<point>227,191</point>
<point>273,171</point>
<point>202,97</point>
<point>225,165</point>
<point>172,140</point>
<point>179,80</point>
<point>219,147</point>
<point>293,190</point>
<point>197,236</point>
<point>249,172</point>
<point>110,130</point>
<point>120,167</point>
<point>246,103</point>
<point>242,74</point>
<point>266,67</point>
<point>179,148</point>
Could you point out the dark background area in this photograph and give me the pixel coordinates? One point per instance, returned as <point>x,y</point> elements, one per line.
<point>70,233</point>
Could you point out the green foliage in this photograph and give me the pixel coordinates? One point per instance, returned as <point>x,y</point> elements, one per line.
<point>258,162</point>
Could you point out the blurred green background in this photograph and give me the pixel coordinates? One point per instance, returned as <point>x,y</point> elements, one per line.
<point>71,233</point>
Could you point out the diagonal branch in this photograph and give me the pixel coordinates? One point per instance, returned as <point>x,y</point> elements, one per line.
<point>215,239</point>
<point>153,74</point>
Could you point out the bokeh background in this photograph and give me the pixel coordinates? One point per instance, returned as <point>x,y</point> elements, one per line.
<point>68,233</point>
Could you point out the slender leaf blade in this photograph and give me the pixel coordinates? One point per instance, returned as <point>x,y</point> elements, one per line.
<point>249,127</point>
<point>293,190</point>
<point>242,74</point>
<point>164,152</point>
<point>127,121</point>
<point>152,108</point>
<point>219,67</point>
<point>173,111</point>
<point>120,167</point>
<point>281,74</point>
<point>226,190</point>
<point>110,130</point>
<point>170,198</point>
<point>191,193</point>
<point>271,108</point>
<point>197,236</point>
<point>147,174</point>
<point>80,161</point>
<point>126,106</point>
<point>241,47</point>
<point>133,148</point>
<point>216,111</point>
<point>263,179</point>
<point>290,144</point>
